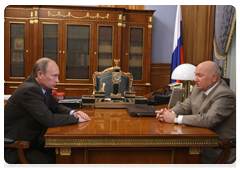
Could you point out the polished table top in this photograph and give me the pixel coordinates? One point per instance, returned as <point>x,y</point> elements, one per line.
<point>117,124</point>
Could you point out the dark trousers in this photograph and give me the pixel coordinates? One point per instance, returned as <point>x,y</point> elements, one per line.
<point>35,154</point>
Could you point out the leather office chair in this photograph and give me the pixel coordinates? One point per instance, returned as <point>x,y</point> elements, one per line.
<point>106,77</point>
<point>227,80</point>
<point>19,145</point>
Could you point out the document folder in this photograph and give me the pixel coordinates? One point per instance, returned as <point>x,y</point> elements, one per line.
<point>141,111</point>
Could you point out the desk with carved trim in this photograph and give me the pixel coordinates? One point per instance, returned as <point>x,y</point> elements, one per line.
<point>113,137</point>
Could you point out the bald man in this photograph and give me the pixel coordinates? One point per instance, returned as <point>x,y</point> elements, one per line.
<point>212,105</point>
<point>32,107</point>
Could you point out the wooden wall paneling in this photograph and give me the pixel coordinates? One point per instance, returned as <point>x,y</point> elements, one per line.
<point>160,75</point>
<point>11,87</point>
<point>77,90</point>
<point>139,91</point>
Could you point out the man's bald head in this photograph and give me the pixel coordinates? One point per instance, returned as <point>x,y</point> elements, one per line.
<point>207,74</point>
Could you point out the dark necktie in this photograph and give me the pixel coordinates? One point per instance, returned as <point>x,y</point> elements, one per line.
<point>204,96</point>
<point>46,101</point>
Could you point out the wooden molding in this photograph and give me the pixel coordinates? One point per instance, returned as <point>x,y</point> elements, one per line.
<point>136,7</point>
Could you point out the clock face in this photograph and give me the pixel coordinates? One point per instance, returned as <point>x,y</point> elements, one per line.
<point>117,77</point>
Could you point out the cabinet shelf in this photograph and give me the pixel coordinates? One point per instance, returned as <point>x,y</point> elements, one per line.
<point>78,38</point>
<point>51,36</point>
<point>16,50</point>
<point>50,51</point>
<point>80,66</point>
<point>16,36</point>
<point>17,64</point>
<point>77,51</point>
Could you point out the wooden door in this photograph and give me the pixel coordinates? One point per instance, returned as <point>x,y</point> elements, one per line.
<point>77,52</point>
<point>136,51</point>
<point>16,49</point>
<point>105,50</point>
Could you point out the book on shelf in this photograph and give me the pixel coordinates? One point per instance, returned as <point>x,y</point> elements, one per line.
<point>105,48</point>
<point>17,29</point>
<point>134,49</point>
<point>78,59</point>
<point>78,32</point>
<point>17,57</point>
<point>78,45</point>
<point>104,62</point>
<point>135,62</point>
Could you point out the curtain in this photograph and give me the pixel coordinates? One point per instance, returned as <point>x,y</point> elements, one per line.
<point>231,63</point>
<point>225,17</point>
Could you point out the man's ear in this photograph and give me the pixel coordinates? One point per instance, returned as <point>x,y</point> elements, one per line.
<point>214,77</point>
<point>39,74</point>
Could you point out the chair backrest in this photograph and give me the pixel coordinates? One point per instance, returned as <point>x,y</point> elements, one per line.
<point>106,77</point>
<point>227,80</point>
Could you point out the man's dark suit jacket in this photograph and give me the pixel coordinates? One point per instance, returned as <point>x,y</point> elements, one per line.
<point>26,113</point>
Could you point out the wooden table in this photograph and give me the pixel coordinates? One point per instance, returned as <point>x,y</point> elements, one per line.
<point>113,137</point>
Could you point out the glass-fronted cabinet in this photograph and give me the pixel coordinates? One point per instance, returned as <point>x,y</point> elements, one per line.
<point>69,48</point>
<point>50,41</point>
<point>81,40</point>
<point>17,50</point>
<point>105,47</point>
<point>136,52</point>
<point>77,53</point>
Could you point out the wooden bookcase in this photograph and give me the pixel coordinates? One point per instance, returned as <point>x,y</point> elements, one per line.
<point>81,40</point>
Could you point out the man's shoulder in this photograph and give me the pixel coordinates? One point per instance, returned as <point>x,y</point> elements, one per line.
<point>29,85</point>
<point>224,88</point>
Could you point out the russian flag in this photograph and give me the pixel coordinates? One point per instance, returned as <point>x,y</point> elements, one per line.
<point>177,55</point>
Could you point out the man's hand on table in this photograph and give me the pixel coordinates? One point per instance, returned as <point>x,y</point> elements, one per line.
<point>83,117</point>
<point>165,115</point>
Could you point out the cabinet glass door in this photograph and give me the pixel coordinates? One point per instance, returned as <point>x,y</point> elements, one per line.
<point>136,53</point>
<point>77,54</point>
<point>17,50</point>
<point>105,47</point>
<point>50,41</point>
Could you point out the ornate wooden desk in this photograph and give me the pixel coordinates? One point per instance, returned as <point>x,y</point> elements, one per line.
<point>113,137</point>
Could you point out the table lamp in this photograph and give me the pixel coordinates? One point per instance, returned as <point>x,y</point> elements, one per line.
<point>184,72</point>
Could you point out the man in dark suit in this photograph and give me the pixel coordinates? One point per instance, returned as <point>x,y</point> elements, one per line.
<point>212,105</point>
<point>31,108</point>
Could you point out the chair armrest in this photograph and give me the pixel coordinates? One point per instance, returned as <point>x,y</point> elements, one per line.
<point>226,146</point>
<point>19,145</point>
<point>11,143</point>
